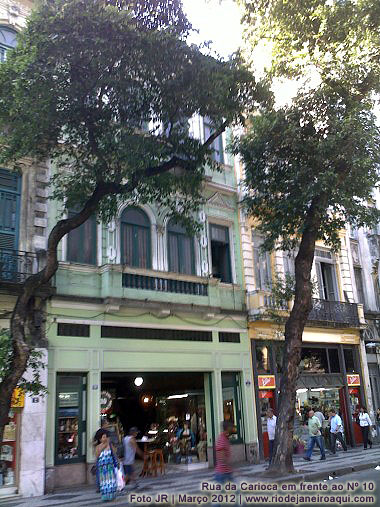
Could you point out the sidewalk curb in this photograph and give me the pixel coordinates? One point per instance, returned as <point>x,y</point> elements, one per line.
<point>344,470</point>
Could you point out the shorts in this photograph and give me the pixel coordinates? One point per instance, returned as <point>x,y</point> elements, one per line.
<point>128,470</point>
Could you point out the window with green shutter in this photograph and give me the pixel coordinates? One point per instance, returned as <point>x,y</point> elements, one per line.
<point>10,190</point>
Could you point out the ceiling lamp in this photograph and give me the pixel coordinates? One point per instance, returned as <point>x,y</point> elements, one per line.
<point>138,381</point>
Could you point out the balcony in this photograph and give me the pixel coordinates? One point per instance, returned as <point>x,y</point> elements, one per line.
<point>16,266</point>
<point>262,305</point>
<point>335,312</point>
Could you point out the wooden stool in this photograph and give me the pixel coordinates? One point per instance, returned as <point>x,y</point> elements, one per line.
<point>158,461</point>
<point>149,465</point>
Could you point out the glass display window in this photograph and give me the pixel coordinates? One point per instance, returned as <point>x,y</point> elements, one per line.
<point>70,418</point>
<point>8,450</point>
<point>232,403</point>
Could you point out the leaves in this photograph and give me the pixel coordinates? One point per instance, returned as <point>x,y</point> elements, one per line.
<point>321,145</point>
<point>108,91</point>
<point>31,383</point>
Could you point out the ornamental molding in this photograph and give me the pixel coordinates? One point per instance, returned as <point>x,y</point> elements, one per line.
<point>219,201</point>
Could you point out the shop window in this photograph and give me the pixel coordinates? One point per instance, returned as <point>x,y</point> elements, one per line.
<point>262,360</point>
<point>358,272</point>
<point>181,249</point>
<point>327,283</point>
<point>135,238</point>
<point>334,361</point>
<point>9,448</point>
<point>232,404</point>
<point>81,242</point>
<point>349,360</point>
<point>217,144</point>
<point>314,360</point>
<point>220,253</point>
<point>262,263</point>
<point>70,419</point>
<point>7,42</point>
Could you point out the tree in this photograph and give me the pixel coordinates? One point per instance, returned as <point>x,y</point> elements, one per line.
<point>339,40</point>
<point>309,168</point>
<point>104,90</point>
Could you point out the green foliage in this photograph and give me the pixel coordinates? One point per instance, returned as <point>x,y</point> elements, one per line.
<point>106,92</point>
<point>321,149</point>
<point>339,39</point>
<point>35,366</point>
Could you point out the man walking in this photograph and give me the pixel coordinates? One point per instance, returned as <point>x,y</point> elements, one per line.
<point>315,437</point>
<point>223,470</point>
<point>271,426</point>
<point>336,430</point>
<point>130,449</point>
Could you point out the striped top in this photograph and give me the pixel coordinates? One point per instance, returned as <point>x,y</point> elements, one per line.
<point>223,455</point>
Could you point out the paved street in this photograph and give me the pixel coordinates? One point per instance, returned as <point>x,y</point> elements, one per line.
<point>336,469</point>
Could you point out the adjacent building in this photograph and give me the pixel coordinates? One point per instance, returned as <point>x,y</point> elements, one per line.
<point>23,226</point>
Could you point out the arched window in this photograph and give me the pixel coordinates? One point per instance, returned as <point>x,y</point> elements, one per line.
<point>135,238</point>
<point>181,249</point>
<point>7,41</point>
<point>81,242</point>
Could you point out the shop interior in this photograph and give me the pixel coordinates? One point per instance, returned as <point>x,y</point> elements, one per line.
<point>167,408</point>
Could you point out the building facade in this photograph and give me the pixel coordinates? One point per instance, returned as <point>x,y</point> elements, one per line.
<point>333,362</point>
<point>148,328</point>
<point>23,226</point>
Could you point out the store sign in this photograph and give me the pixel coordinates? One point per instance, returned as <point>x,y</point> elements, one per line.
<point>266,381</point>
<point>105,401</point>
<point>18,398</point>
<point>353,379</point>
<point>265,394</point>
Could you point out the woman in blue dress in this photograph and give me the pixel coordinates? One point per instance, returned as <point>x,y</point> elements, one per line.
<point>106,463</point>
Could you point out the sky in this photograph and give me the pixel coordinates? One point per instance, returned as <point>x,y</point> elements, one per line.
<point>219,21</point>
<point>216,21</point>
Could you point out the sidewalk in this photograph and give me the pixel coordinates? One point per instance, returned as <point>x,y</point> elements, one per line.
<point>334,466</point>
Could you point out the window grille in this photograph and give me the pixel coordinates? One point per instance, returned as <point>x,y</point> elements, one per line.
<point>136,333</point>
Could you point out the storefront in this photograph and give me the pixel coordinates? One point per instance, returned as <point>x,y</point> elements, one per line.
<point>330,377</point>
<point>119,383</point>
<point>10,447</point>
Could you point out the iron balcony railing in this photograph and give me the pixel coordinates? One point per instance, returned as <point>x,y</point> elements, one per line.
<point>144,282</point>
<point>334,311</point>
<point>16,266</point>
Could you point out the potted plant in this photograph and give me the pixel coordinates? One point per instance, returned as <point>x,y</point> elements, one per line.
<point>298,445</point>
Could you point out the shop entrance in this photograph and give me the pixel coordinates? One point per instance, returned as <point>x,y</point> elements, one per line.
<point>168,409</point>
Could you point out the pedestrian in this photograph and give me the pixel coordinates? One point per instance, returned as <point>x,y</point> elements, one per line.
<point>130,450</point>
<point>365,425</point>
<point>271,426</point>
<point>223,470</point>
<point>315,437</point>
<point>106,463</point>
<point>320,415</point>
<point>336,431</point>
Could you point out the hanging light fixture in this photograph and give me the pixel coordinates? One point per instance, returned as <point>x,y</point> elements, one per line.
<point>138,381</point>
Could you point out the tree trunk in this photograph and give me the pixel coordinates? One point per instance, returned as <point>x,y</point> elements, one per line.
<point>23,311</point>
<point>282,461</point>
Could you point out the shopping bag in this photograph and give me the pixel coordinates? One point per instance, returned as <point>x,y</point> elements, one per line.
<point>120,482</point>
<point>373,432</point>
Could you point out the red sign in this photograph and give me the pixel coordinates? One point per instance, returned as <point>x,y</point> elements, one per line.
<point>265,394</point>
<point>266,381</point>
<point>353,390</point>
<point>353,379</point>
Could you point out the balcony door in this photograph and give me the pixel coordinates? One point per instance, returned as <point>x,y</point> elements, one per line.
<point>327,283</point>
